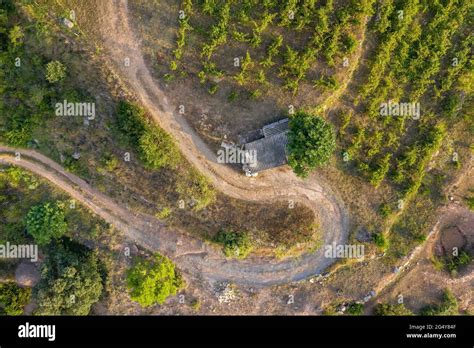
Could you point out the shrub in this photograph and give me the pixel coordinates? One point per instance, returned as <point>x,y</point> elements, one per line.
<point>385,210</point>
<point>380,240</point>
<point>311,141</point>
<point>388,309</point>
<point>70,280</point>
<point>235,244</point>
<point>153,281</point>
<point>196,187</point>
<point>46,222</point>
<point>449,306</point>
<point>470,202</point>
<point>55,71</point>
<point>157,149</point>
<point>455,263</point>
<point>131,120</point>
<point>355,309</point>
<point>14,298</point>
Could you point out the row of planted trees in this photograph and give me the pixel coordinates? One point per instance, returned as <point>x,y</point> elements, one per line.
<point>326,29</point>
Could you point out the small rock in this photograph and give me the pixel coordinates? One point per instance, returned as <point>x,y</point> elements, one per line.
<point>68,23</point>
<point>76,155</point>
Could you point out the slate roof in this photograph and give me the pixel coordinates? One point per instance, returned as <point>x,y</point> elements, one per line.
<point>270,150</point>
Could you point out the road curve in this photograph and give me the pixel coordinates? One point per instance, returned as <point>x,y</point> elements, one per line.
<point>191,254</point>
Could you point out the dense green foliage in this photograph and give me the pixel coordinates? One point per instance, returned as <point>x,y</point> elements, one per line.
<point>152,281</point>
<point>13,298</point>
<point>46,222</point>
<point>235,244</point>
<point>70,282</point>
<point>311,142</point>
<point>355,309</point>
<point>448,306</point>
<point>389,309</point>
<point>55,71</point>
<point>155,146</point>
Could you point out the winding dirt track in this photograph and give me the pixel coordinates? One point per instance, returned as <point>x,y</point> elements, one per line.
<point>189,253</point>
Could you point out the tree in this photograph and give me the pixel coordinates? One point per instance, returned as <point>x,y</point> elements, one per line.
<point>16,36</point>
<point>70,280</point>
<point>14,298</point>
<point>235,244</point>
<point>153,281</point>
<point>46,221</point>
<point>157,149</point>
<point>355,308</point>
<point>311,141</point>
<point>55,71</point>
<point>388,309</point>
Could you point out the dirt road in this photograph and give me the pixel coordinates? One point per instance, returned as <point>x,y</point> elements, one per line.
<point>191,254</point>
<point>122,46</point>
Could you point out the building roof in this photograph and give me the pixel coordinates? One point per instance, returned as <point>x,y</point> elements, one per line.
<point>275,128</point>
<point>270,152</point>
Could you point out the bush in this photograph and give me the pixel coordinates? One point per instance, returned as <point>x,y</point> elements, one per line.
<point>311,141</point>
<point>456,263</point>
<point>449,306</point>
<point>152,282</point>
<point>235,244</point>
<point>380,240</point>
<point>355,309</point>
<point>46,222</point>
<point>131,120</point>
<point>14,298</point>
<point>388,309</point>
<point>55,71</point>
<point>157,149</point>
<point>70,280</point>
<point>197,188</point>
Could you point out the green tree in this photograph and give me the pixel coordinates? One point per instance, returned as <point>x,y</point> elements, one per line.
<point>55,71</point>
<point>355,308</point>
<point>46,221</point>
<point>311,141</point>
<point>70,280</point>
<point>157,149</point>
<point>153,281</point>
<point>16,36</point>
<point>235,244</point>
<point>388,309</point>
<point>130,119</point>
<point>14,298</point>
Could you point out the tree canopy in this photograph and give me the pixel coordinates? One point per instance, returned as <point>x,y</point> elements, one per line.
<point>152,281</point>
<point>46,222</point>
<point>55,71</point>
<point>311,141</point>
<point>70,280</point>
